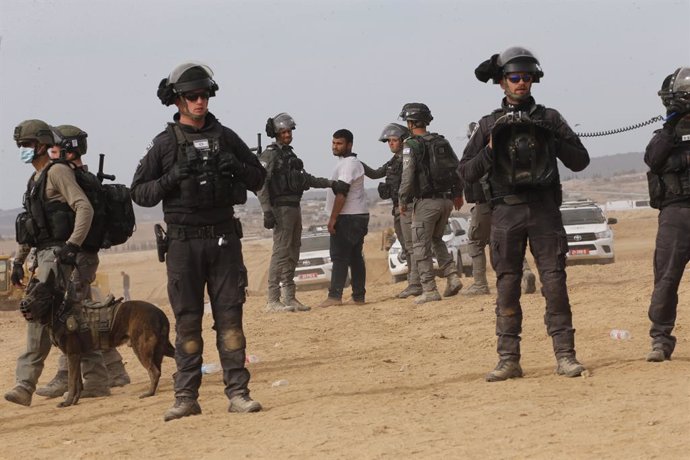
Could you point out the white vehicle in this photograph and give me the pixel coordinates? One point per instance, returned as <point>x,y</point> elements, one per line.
<point>455,237</point>
<point>590,239</point>
<point>314,267</point>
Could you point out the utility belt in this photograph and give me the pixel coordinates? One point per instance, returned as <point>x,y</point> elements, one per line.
<point>292,204</point>
<point>520,198</point>
<point>188,232</point>
<point>444,195</point>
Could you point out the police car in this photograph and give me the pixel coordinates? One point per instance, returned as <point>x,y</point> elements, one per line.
<point>314,267</point>
<point>455,237</point>
<point>590,239</point>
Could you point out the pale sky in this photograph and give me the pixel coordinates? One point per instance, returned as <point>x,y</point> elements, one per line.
<point>330,64</point>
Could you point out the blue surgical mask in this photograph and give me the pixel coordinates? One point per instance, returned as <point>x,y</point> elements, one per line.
<point>27,154</point>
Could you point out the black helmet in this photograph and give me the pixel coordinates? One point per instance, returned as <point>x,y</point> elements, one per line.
<point>675,91</point>
<point>184,78</point>
<point>416,111</point>
<point>279,123</point>
<point>34,130</point>
<point>519,59</point>
<point>73,139</point>
<point>394,130</point>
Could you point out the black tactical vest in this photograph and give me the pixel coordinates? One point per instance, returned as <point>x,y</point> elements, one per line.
<point>206,187</point>
<point>524,155</point>
<point>673,187</point>
<point>43,223</point>
<point>287,174</point>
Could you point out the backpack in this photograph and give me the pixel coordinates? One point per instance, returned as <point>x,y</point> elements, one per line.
<point>120,222</point>
<point>113,214</point>
<point>442,163</point>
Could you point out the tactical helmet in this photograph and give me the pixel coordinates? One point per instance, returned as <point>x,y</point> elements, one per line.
<point>280,122</point>
<point>416,111</point>
<point>186,77</point>
<point>73,139</point>
<point>519,59</point>
<point>675,91</point>
<point>34,130</point>
<point>394,130</point>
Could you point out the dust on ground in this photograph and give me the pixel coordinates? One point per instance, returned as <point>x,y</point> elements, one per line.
<point>390,379</point>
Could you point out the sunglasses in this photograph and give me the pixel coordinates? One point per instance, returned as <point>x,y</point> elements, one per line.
<point>191,97</point>
<point>516,77</point>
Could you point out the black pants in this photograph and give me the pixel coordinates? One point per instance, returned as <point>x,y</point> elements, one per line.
<point>193,265</point>
<point>671,256</point>
<point>511,228</point>
<point>346,252</point>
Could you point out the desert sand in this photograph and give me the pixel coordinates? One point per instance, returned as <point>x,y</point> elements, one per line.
<point>390,379</point>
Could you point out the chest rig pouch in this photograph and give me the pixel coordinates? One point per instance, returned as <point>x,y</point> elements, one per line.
<point>206,187</point>
<point>524,152</point>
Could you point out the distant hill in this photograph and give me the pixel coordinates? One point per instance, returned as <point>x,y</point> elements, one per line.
<point>608,166</point>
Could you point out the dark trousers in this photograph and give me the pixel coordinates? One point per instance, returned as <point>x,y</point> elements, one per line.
<point>671,256</point>
<point>193,265</point>
<point>346,252</point>
<point>511,228</point>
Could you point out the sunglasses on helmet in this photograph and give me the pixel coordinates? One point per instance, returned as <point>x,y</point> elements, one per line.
<point>516,77</point>
<point>191,97</point>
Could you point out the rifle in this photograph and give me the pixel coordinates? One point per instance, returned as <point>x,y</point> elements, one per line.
<point>257,149</point>
<point>101,175</point>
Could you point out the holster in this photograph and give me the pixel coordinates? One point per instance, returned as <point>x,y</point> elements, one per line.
<point>161,242</point>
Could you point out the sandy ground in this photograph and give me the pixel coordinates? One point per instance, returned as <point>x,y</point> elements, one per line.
<point>391,380</point>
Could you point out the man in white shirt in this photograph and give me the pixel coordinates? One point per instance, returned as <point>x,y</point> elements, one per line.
<point>348,223</point>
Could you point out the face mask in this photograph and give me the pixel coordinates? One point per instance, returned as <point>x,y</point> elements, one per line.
<point>26,154</point>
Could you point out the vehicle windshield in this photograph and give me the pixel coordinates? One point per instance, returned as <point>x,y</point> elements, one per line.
<point>582,216</point>
<point>316,243</point>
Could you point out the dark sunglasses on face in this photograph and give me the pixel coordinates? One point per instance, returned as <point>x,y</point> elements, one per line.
<point>516,77</point>
<point>191,97</point>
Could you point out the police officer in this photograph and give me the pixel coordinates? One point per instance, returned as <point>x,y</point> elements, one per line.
<point>394,135</point>
<point>72,146</point>
<point>520,143</point>
<point>199,169</point>
<point>56,221</point>
<point>480,231</point>
<point>280,197</point>
<point>668,158</point>
<point>429,179</point>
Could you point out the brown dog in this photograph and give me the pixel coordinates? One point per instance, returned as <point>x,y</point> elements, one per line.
<point>141,323</point>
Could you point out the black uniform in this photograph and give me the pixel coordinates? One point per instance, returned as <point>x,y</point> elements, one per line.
<point>527,212</point>
<point>204,241</point>
<point>668,157</point>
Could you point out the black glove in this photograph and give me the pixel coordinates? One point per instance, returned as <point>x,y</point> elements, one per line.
<point>177,173</point>
<point>67,255</point>
<point>229,165</point>
<point>341,187</point>
<point>17,274</point>
<point>269,220</point>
